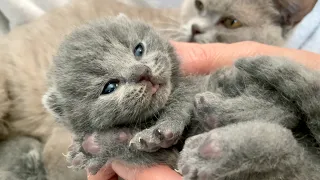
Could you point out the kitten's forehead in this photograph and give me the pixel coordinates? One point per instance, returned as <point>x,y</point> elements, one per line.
<point>110,40</point>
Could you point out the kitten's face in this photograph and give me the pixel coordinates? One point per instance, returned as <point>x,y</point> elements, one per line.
<point>112,72</point>
<point>230,21</point>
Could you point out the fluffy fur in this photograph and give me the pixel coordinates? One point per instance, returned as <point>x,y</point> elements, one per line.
<point>26,53</point>
<point>21,159</point>
<point>229,21</point>
<point>261,115</point>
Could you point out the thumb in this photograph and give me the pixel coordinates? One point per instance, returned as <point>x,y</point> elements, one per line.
<point>203,58</point>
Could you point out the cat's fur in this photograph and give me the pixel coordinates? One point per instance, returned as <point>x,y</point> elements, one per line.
<point>264,21</point>
<point>23,159</point>
<point>26,53</point>
<point>261,115</point>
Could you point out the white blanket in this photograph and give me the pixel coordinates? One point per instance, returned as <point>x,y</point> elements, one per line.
<point>307,33</point>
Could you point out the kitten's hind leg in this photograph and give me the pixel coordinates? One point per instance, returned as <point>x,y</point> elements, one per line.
<point>246,151</point>
<point>213,110</point>
<point>297,83</point>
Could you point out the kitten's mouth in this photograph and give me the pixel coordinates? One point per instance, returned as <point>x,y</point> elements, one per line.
<point>152,82</point>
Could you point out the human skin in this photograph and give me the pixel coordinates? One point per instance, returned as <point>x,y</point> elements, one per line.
<point>202,59</point>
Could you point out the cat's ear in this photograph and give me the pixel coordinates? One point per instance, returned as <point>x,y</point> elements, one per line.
<point>293,11</point>
<point>52,103</point>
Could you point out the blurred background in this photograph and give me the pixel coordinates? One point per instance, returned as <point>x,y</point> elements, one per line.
<point>17,12</point>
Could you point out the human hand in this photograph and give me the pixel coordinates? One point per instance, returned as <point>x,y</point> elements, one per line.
<point>205,58</point>
<point>160,172</point>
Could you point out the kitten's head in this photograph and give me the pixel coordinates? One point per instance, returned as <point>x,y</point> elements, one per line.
<point>229,21</point>
<point>111,72</point>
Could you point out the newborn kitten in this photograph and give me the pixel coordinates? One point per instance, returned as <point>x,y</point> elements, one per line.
<point>116,85</point>
<point>265,21</point>
<point>112,79</point>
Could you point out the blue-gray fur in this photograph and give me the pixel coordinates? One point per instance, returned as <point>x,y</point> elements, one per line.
<point>256,120</point>
<point>20,159</point>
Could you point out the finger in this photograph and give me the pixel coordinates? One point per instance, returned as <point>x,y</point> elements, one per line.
<point>106,173</point>
<point>160,172</point>
<point>199,58</point>
<point>204,58</point>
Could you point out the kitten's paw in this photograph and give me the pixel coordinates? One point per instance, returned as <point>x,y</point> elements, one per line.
<point>205,105</point>
<point>75,156</point>
<point>248,147</point>
<point>162,135</point>
<point>198,150</point>
<point>94,150</point>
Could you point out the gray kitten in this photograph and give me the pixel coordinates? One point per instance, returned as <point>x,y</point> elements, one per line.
<point>116,85</point>
<point>229,21</point>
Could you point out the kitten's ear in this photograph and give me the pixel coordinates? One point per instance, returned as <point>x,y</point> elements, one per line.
<point>52,103</point>
<point>293,11</point>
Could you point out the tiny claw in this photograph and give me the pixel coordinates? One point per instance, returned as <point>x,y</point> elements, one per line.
<point>142,141</point>
<point>178,171</point>
<point>71,147</point>
<point>158,134</point>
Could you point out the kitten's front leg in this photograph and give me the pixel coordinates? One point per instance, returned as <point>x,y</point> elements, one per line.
<point>213,110</point>
<point>244,151</point>
<point>92,151</point>
<point>173,120</point>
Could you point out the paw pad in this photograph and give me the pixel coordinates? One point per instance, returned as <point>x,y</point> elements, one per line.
<point>78,160</point>
<point>210,149</point>
<point>164,135</point>
<point>89,145</point>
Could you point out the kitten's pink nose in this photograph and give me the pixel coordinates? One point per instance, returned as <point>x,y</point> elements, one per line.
<point>140,73</point>
<point>195,29</point>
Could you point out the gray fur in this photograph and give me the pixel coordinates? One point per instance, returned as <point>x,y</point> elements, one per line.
<point>20,159</point>
<point>248,128</point>
<point>249,117</point>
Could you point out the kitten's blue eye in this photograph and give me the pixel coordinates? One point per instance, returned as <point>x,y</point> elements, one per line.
<point>138,50</point>
<point>110,87</point>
